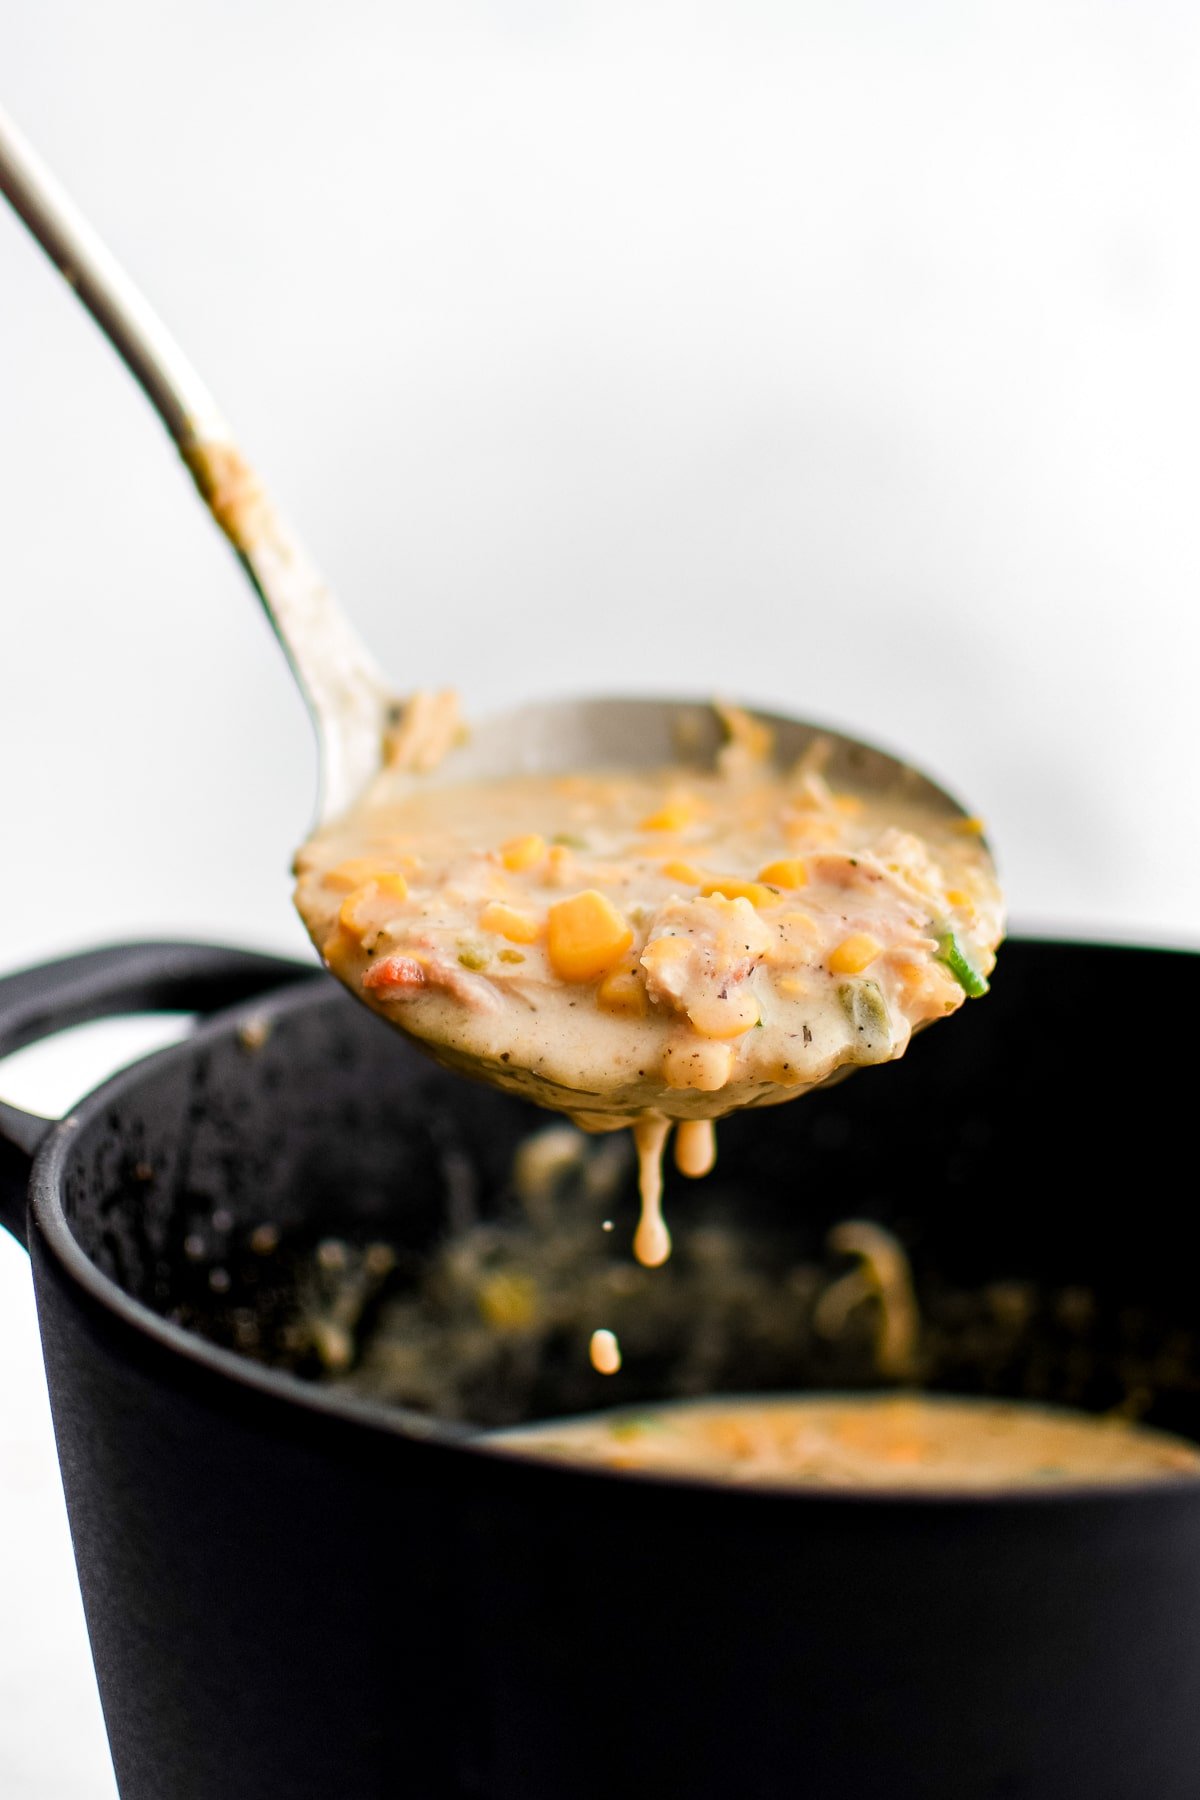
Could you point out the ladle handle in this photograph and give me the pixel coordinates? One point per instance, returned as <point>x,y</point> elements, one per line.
<point>350,702</point>
<point>120,980</point>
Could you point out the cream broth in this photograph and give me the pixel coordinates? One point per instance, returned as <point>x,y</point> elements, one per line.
<point>655,946</point>
<point>882,1441</point>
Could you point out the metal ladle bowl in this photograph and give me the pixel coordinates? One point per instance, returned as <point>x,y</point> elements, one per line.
<point>352,705</point>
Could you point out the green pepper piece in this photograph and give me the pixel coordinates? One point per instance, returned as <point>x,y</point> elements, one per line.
<point>472,957</point>
<point>951,952</point>
<point>865,1007</point>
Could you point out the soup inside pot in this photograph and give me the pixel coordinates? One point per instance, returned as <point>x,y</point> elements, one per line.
<point>308,1191</point>
<point>910,1441</point>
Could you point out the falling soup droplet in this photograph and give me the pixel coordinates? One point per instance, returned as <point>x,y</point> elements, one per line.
<point>651,1240</point>
<point>695,1147</point>
<point>605,1352</point>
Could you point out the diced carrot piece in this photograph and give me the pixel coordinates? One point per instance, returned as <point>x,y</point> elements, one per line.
<point>394,974</point>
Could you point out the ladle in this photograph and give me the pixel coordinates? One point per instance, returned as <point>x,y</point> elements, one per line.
<point>352,705</point>
<point>347,696</point>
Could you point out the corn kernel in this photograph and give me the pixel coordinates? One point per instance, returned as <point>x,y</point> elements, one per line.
<point>854,953</point>
<point>361,869</point>
<point>731,1017</point>
<point>391,886</point>
<point>622,992</point>
<point>676,815</point>
<point>587,936</point>
<point>682,871</point>
<point>669,948</point>
<point>730,887</point>
<point>352,874</point>
<point>706,1066</point>
<point>791,872</point>
<point>522,852</point>
<point>348,917</point>
<point>507,922</point>
<point>970,827</point>
<point>792,987</point>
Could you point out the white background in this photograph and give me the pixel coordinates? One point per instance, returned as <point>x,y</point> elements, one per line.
<point>841,358</point>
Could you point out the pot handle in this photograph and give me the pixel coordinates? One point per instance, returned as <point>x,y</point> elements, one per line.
<point>100,984</point>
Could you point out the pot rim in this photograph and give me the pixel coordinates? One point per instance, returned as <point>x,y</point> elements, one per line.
<point>290,1393</point>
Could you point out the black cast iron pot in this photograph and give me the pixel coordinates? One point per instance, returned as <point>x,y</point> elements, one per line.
<point>305,1576</point>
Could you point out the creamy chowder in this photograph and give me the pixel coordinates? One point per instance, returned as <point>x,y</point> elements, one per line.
<point>654,948</point>
<point>916,1441</point>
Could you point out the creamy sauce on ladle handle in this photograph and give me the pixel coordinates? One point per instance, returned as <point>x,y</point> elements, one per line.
<point>344,689</point>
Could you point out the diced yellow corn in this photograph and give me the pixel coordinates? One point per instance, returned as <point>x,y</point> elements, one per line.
<point>622,992</point>
<point>348,917</point>
<point>960,897</point>
<point>360,869</point>
<point>506,921</point>
<point>682,871</point>
<point>676,815</point>
<point>387,887</point>
<point>688,1064</point>
<point>792,987</point>
<point>854,953</point>
<point>970,827</point>
<point>791,872</point>
<point>666,949</point>
<point>587,936</point>
<point>522,852</point>
<point>391,886</point>
<point>728,1018</point>
<point>731,887</point>
<point>351,874</point>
